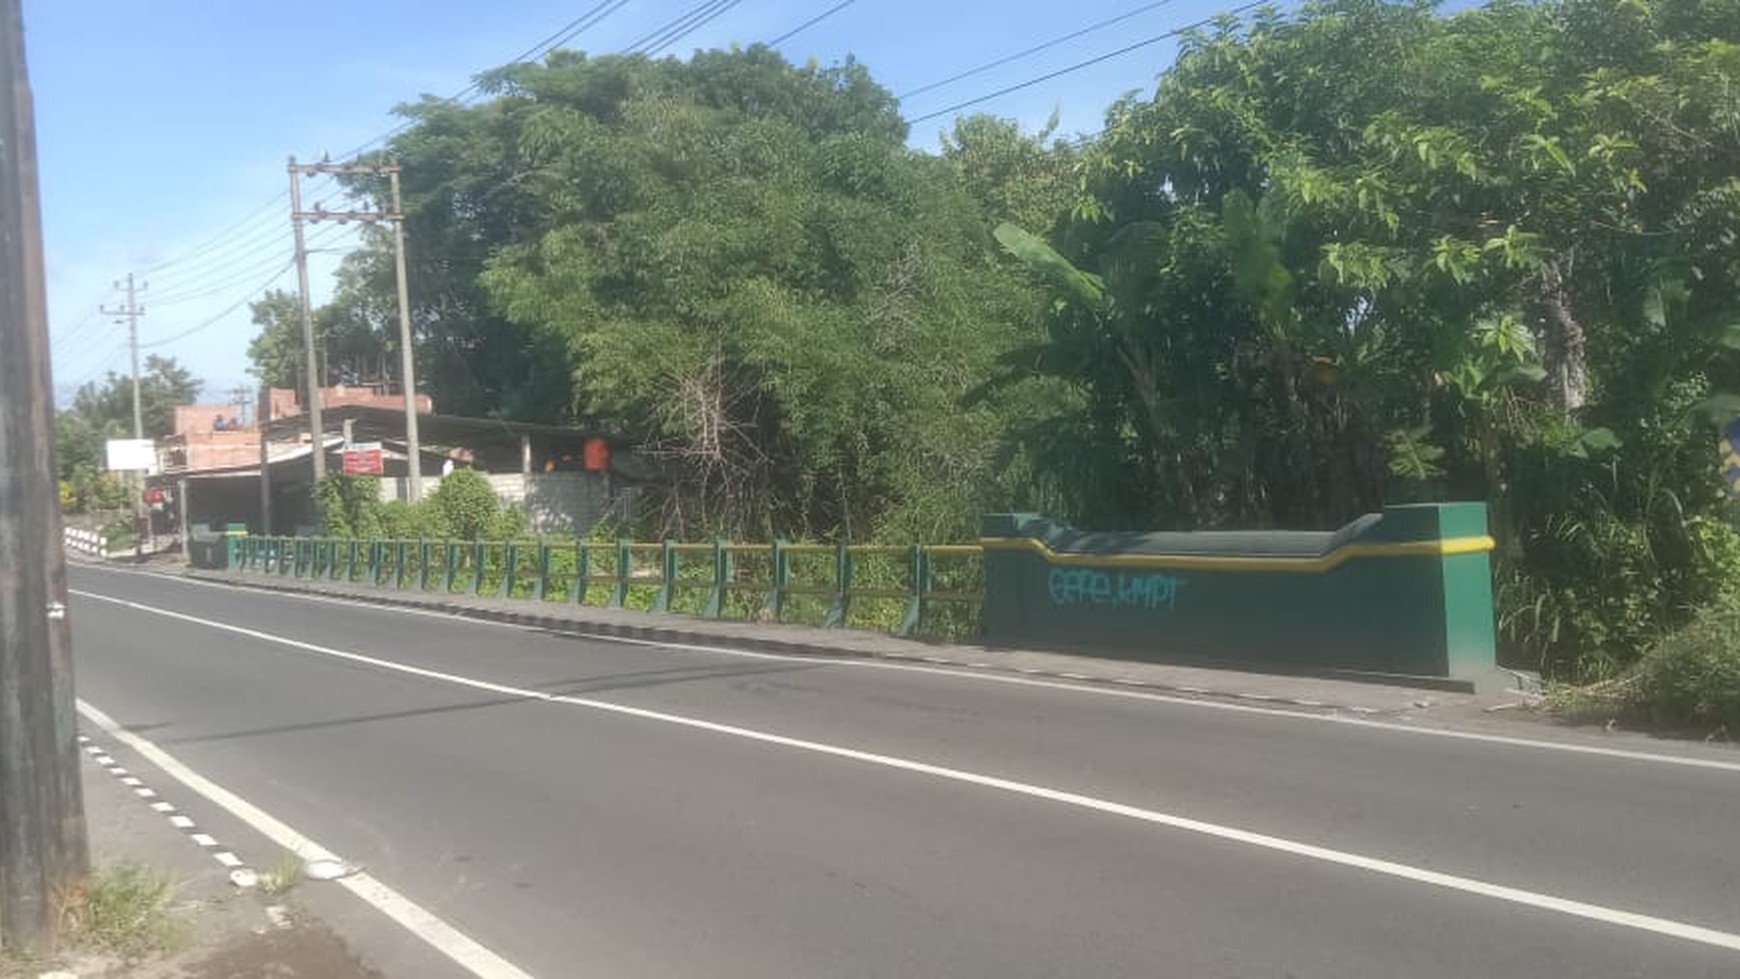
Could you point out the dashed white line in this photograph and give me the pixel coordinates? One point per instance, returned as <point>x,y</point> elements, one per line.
<point>1388,868</point>
<point>451,942</point>
<point>181,822</point>
<point>202,839</point>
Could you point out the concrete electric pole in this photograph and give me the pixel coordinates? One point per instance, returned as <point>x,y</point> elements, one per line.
<point>407,358</point>
<point>130,313</point>
<point>43,850</point>
<point>309,354</point>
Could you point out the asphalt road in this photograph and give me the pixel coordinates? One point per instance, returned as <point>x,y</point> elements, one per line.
<point>601,808</point>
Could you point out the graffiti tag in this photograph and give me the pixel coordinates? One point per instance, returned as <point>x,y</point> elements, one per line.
<point>1085,586</point>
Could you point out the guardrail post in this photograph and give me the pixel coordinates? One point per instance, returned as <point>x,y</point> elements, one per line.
<point>543,569</point>
<point>721,575</point>
<point>842,607</point>
<point>423,552</point>
<point>449,566</point>
<point>510,578</point>
<point>619,593</point>
<point>781,572</point>
<point>918,571</point>
<point>668,575</point>
<point>478,555</point>
<point>582,571</point>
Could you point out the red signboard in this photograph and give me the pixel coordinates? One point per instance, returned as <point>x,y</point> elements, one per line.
<point>363,460</point>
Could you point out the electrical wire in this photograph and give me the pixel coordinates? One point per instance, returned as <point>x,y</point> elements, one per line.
<point>813,21</point>
<point>703,22</point>
<point>1043,46</point>
<point>567,32</point>
<point>674,29</point>
<point>1048,76</point>
<point>238,304</point>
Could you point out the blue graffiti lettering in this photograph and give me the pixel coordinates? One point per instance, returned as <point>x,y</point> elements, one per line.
<point>1086,586</point>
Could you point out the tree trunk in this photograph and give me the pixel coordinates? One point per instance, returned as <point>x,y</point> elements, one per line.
<point>1567,344</point>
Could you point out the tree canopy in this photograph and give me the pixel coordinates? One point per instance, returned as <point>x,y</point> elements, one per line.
<point>1351,255</point>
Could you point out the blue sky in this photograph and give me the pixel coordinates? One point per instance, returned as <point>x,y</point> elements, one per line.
<point>165,124</point>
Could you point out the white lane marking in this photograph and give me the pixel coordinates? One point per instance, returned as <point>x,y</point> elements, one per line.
<point>1363,722</point>
<point>228,859</point>
<point>201,838</point>
<point>162,807</point>
<point>180,822</point>
<point>1468,885</point>
<point>462,949</point>
<point>145,793</point>
<point>132,781</point>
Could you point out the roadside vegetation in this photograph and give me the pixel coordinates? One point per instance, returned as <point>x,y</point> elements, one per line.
<point>1353,254</point>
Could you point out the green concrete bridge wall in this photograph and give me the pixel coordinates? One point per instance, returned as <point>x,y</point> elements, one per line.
<point>1405,592</point>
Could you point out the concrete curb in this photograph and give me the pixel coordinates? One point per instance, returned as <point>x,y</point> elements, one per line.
<point>667,634</point>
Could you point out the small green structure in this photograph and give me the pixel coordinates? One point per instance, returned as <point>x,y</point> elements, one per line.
<point>1407,592</point>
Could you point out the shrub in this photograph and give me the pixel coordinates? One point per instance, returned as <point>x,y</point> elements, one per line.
<point>1691,678</point>
<point>349,506</point>
<point>467,504</point>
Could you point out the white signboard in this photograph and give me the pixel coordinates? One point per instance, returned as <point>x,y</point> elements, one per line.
<point>130,455</point>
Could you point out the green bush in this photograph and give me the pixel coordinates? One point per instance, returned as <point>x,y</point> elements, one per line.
<point>467,505</point>
<point>349,506</point>
<point>1691,678</point>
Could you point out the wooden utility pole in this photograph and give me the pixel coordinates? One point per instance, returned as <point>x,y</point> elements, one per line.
<point>310,364</point>
<point>407,354</point>
<point>43,850</point>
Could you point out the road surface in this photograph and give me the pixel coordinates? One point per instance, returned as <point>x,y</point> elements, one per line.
<point>598,808</point>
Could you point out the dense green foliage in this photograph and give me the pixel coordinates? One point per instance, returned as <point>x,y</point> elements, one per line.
<point>1369,253</point>
<point>739,266</point>
<point>463,507</point>
<point>1354,255</point>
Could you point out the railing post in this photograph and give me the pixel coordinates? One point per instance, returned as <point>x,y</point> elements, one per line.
<point>582,571</point>
<point>781,580</point>
<point>842,606</point>
<point>918,571</point>
<point>668,573</point>
<point>400,549</point>
<point>543,569</point>
<point>511,573</point>
<point>449,566</point>
<point>423,552</point>
<point>619,594</point>
<point>721,575</point>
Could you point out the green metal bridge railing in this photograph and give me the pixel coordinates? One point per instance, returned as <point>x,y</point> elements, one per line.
<point>903,589</point>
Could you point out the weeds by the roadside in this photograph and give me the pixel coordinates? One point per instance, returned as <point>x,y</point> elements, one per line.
<point>282,877</point>
<point>123,911</point>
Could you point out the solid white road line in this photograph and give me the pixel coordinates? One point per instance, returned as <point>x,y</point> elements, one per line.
<point>1534,899</point>
<point>1537,744</point>
<point>476,959</point>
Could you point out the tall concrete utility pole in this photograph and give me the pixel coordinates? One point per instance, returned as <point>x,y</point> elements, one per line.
<point>317,430</point>
<point>43,850</point>
<point>408,362</point>
<point>131,313</point>
<point>407,353</point>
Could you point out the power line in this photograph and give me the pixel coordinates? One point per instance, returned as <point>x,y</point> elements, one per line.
<point>703,22</point>
<point>190,331</point>
<point>567,32</point>
<point>674,29</point>
<point>280,246</point>
<point>813,21</point>
<point>1046,45</point>
<point>1146,42</point>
